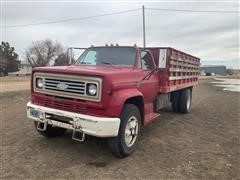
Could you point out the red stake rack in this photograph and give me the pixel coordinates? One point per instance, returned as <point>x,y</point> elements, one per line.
<point>177,70</point>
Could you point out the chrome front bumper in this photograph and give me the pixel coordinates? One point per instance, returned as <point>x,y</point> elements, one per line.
<point>91,125</point>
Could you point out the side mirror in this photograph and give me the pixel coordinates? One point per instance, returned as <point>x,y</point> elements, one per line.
<point>150,58</point>
<point>71,54</point>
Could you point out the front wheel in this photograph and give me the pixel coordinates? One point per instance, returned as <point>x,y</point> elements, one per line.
<point>126,142</point>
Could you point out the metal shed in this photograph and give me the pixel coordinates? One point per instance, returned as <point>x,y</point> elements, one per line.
<point>216,69</point>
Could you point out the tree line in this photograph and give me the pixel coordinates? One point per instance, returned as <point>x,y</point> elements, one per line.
<point>39,53</point>
<point>8,59</point>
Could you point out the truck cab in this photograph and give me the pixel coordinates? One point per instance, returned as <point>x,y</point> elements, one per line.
<point>109,92</point>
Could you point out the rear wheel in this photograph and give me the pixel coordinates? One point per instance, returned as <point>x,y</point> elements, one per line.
<point>51,131</point>
<point>185,101</point>
<point>175,96</point>
<point>126,142</point>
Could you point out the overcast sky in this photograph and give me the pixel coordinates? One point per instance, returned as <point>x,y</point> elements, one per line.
<point>214,37</point>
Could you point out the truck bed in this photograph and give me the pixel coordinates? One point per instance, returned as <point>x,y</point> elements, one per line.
<point>177,70</point>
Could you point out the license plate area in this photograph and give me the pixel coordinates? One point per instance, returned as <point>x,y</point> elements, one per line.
<point>36,113</point>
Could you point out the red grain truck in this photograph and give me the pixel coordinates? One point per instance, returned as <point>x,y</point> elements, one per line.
<point>112,92</point>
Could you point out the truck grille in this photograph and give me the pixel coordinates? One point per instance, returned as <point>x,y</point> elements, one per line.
<point>65,105</point>
<point>68,86</point>
<point>76,87</point>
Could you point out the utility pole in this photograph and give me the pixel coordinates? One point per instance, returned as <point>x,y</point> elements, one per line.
<point>144,36</point>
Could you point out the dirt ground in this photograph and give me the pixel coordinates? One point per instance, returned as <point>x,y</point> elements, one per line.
<point>13,83</point>
<point>204,144</point>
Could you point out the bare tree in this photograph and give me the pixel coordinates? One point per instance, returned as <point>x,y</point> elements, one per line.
<point>43,52</point>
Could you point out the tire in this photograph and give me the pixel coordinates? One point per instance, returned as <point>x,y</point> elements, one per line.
<point>175,96</point>
<point>185,101</point>
<point>51,131</point>
<point>126,142</point>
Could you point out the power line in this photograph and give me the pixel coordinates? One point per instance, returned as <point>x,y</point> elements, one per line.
<point>71,19</point>
<point>114,13</point>
<point>188,10</point>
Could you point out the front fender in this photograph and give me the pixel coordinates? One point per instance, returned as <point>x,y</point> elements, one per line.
<point>120,97</point>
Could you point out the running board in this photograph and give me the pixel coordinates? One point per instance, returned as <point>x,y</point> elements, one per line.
<point>149,114</point>
<point>151,117</point>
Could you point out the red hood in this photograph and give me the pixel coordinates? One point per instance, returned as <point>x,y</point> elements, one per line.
<point>85,70</point>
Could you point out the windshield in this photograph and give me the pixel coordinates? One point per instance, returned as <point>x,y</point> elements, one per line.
<point>104,56</point>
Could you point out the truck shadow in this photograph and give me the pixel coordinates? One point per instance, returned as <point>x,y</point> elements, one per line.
<point>93,152</point>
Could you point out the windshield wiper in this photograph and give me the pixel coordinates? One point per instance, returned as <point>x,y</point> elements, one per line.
<point>108,63</point>
<point>85,63</point>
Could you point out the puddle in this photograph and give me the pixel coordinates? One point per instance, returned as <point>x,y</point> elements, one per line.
<point>228,84</point>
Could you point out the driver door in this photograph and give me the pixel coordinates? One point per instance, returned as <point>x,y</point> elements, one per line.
<point>148,86</point>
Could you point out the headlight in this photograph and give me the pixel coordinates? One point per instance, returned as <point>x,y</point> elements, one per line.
<point>39,83</point>
<point>91,89</point>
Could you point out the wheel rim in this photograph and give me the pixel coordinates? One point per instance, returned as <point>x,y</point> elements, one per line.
<point>188,102</point>
<point>131,131</point>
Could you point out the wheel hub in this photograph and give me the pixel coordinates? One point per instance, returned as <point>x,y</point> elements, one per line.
<point>131,131</point>
<point>188,102</point>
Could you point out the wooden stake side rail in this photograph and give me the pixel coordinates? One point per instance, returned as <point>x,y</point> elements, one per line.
<point>186,61</point>
<point>183,64</point>
<point>170,88</point>
<point>182,71</point>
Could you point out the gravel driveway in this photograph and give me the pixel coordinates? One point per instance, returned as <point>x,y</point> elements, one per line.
<point>201,145</point>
